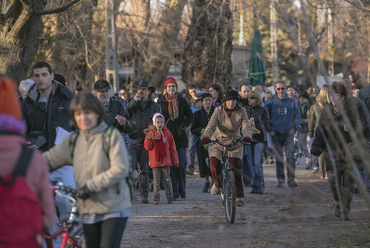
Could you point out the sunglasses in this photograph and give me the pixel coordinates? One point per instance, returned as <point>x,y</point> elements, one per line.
<point>280,88</point>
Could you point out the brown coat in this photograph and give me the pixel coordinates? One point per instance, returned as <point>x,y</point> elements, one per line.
<point>227,129</point>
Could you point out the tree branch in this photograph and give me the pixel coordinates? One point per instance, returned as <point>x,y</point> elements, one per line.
<point>57,10</point>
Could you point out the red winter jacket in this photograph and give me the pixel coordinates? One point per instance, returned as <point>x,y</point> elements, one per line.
<point>171,158</point>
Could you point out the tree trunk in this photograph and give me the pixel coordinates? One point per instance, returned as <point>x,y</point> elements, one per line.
<point>20,28</point>
<point>208,47</point>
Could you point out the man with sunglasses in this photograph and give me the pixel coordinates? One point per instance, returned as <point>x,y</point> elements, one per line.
<point>284,122</point>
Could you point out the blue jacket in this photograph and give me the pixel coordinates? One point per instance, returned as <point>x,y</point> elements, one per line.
<point>284,114</point>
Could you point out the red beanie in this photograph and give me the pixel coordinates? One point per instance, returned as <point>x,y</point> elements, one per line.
<point>170,80</point>
<point>9,103</point>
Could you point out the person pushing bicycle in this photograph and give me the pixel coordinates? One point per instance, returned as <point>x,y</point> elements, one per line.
<point>228,123</point>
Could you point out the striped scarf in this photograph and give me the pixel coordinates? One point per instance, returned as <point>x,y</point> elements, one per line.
<point>173,106</point>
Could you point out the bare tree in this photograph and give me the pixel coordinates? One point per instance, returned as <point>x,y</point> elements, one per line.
<point>20,27</point>
<point>207,52</point>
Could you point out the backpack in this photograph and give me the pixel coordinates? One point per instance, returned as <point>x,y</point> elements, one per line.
<point>106,144</point>
<point>21,220</point>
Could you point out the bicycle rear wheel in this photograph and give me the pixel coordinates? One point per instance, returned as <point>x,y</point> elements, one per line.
<point>229,196</point>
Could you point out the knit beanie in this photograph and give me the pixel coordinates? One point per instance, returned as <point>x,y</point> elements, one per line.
<point>156,115</point>
<point>170,80</point>
<point>10,109</point>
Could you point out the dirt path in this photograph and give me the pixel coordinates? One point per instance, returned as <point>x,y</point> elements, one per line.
<point>282,217</point>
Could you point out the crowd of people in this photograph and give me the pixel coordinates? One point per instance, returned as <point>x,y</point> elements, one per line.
<point>153,135</point>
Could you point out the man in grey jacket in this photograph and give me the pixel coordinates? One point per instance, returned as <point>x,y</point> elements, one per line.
<point>141,109</point>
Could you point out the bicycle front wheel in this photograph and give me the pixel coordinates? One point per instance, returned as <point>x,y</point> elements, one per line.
<point>229,196</point>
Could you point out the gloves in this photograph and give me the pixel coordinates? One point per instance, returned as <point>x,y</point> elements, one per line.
<point>84,193</point>
<point>247,139</point>
<point>206,140</point>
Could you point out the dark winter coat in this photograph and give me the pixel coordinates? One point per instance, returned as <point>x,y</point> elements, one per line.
<point>303,110</point>
<point>178,126</point>
<point>141,117</point>
<point>116,107</point>
<point>43,120</point>
<point>200,121</point>
<point>261,121</point>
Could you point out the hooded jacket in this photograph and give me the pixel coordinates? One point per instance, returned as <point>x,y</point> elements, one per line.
<point>103,176</point>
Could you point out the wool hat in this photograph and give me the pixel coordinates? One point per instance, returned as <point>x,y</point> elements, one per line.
<point>60,79</point>
<point>304,95</point>
<point>145,84</point>
<point>229,95</point>
<point>205,95</point>
<point>170,80</point>
<point>10,110</point>
<point>156,115</point>
<point>101,85</point>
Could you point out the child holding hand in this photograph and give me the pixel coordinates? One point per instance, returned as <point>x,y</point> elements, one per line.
<point>162,155</point>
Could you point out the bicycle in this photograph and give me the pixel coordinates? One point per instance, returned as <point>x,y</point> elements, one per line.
<point>228,195</point>
<point>71,229</point>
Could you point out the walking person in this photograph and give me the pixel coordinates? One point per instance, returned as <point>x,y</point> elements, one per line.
<point>322,101</point>
<point>260,117</point>
<point>21,225</point>
<point>103,193</point>
<point>304,108</point>
<point>334,136</point>
<point>228,123</point>
<point>161,146</point>
<point>195,104</point>
<point>200,122</point>
<point>178,116</point>
<point>284,122</point>
<point>141,109</point>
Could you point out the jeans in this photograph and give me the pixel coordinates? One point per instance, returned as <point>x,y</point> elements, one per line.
<point>107,233</point>
<point>178,174</point>
<point>192,149</point>
<point>248,173</point>
<point>159,174</point>
<point>257,159</point>
<point>284,143</point>
<point>302,137</point>
<point>140,156</point>
<point>342,184</point>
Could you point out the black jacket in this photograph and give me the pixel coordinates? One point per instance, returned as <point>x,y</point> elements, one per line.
<point>43,120</point>
<point>116,107</point>
<point>261,121</point>
<point>200,121</point>
<point>178,126</point>
<point>141,117</point>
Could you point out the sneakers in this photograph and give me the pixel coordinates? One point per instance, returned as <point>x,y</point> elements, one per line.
<point>239,202</point>
<point>215,190</point>
<point>144,200</point>
<point>292,183</point>
<point>206,186</point>
<point>280,184</point>
<point>322,175</point>
<point>315,169</point>
<point>326,175</point>
<point>308,167</point>
<point>190,172</point>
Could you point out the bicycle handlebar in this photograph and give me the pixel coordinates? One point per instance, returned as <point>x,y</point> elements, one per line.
<point>64,191</point>
<point>239,140</point>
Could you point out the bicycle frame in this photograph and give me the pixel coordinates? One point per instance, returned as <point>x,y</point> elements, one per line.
<point>68,225</point>
<point>228,195</point>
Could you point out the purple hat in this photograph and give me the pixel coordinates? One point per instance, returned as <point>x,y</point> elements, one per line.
<point>156,115</point>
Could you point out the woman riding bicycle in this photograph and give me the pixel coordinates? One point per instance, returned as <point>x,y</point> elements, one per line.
<point>228,123</point>
<point>104,195</point>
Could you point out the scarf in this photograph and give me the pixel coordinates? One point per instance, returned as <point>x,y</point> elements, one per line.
<point>173,107</point>
<point>160,148</point>
<point>229,112</point>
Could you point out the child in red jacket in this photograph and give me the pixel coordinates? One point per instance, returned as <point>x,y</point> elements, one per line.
<point>162,154</point>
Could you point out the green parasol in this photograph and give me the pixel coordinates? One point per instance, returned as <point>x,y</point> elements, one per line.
<point>257,68</point>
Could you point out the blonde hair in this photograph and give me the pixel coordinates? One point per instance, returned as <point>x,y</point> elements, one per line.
<point>257,96</point>
<point>323,96</point>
